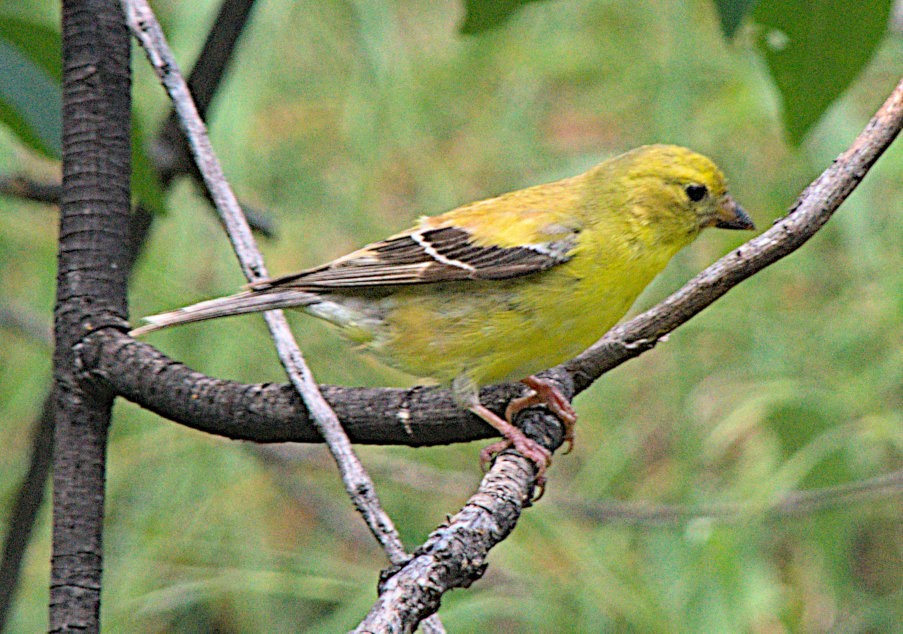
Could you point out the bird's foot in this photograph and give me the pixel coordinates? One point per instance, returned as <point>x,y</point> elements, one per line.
<point>545,393</point>
<point>516,439</point>
<point>530,449</point>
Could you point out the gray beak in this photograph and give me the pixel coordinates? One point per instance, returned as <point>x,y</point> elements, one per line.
<point>732,216</point>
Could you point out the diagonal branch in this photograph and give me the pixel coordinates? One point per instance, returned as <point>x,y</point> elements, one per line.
<point>809,213</point>
<point>357,482</point>
<point>454,555</point>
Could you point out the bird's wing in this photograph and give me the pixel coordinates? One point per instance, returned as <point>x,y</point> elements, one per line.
<point>429,255</point>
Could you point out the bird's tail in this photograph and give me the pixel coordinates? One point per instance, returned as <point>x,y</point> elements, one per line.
<point>252,301</point>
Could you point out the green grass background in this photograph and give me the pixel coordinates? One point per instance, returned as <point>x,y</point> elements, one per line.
<point>345,121</point>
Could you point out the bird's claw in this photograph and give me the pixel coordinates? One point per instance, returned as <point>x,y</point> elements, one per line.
<point>545,393</point>
<point>529,449</point>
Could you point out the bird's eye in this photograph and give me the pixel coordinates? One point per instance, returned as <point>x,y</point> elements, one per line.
<point>696,192</point>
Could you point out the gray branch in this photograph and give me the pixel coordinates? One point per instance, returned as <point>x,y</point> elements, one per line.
<point>454,555</point>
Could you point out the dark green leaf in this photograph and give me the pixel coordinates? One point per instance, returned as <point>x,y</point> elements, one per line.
<point>146,186</point>
<point>37,42</point>
<point>814,50</point>
<point>483,15</point>
<point>29,100</point>
<point>731,14</point>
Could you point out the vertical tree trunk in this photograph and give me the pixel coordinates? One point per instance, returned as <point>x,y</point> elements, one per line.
<point>91,293</point>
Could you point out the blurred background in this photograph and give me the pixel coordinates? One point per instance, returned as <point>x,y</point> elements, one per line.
<point>343,121</point>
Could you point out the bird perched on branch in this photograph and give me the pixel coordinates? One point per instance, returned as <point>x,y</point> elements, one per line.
<point>502,288</point>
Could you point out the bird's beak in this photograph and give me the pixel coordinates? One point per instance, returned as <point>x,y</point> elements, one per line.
<point>730,215</point>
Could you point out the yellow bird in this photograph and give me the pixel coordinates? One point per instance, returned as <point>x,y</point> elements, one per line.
<point>502,288</point>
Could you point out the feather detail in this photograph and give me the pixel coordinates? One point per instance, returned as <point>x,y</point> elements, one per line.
<point>238,304</point>
<point>429,255</point>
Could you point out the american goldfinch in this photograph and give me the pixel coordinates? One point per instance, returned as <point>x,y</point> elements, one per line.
<point>502,288</point>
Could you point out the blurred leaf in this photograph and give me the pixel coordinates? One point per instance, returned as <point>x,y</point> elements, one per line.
<point>484,15</point>
<point>731,14</point>
<point>41,44</point>
<point>814,50</point>
<point>30,100</point>
<point>146,186</point>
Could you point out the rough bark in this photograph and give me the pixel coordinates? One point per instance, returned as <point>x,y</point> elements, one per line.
<point>93,262</point>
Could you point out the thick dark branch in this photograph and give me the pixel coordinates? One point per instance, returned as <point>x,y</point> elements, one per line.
<point>272,412</point>
<point>93,263</point>
<point>207,74</point>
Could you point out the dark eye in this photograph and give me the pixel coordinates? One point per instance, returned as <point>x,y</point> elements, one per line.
<point>696,192</point>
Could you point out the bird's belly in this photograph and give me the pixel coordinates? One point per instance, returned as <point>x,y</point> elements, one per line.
<point>491,332</point>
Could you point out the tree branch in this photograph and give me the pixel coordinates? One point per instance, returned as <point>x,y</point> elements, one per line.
<point>427,416</point>
<point>24,510</point>
<point>170,152</point>
<point>454,555</point>
<point>207,75</point>
<point>503,487</point>
<point>29,189</point>
<point>791,504</point>
<point>270,412</point>
<point>91,293</point>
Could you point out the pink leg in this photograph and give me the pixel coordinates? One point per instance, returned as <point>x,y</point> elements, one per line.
<point>545,393</point>
<point>514,437</point>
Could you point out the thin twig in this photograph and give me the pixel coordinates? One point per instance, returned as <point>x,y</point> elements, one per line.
<point>360,487</point>
<point>791,504</point>
<point>49,193</point>
<point>29,189</point>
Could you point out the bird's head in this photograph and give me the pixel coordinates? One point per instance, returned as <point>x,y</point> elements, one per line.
<point>676,192</point>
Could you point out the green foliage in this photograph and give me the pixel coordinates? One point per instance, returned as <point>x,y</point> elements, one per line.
<point>732,12</point>
<point>30,83</point>
<point>814,51</point>
<point>346,121</point>
<point>146,187</point>
<point>485,15</point>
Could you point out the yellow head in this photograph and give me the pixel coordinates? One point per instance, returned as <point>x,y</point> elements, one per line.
<point>671,193</point>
